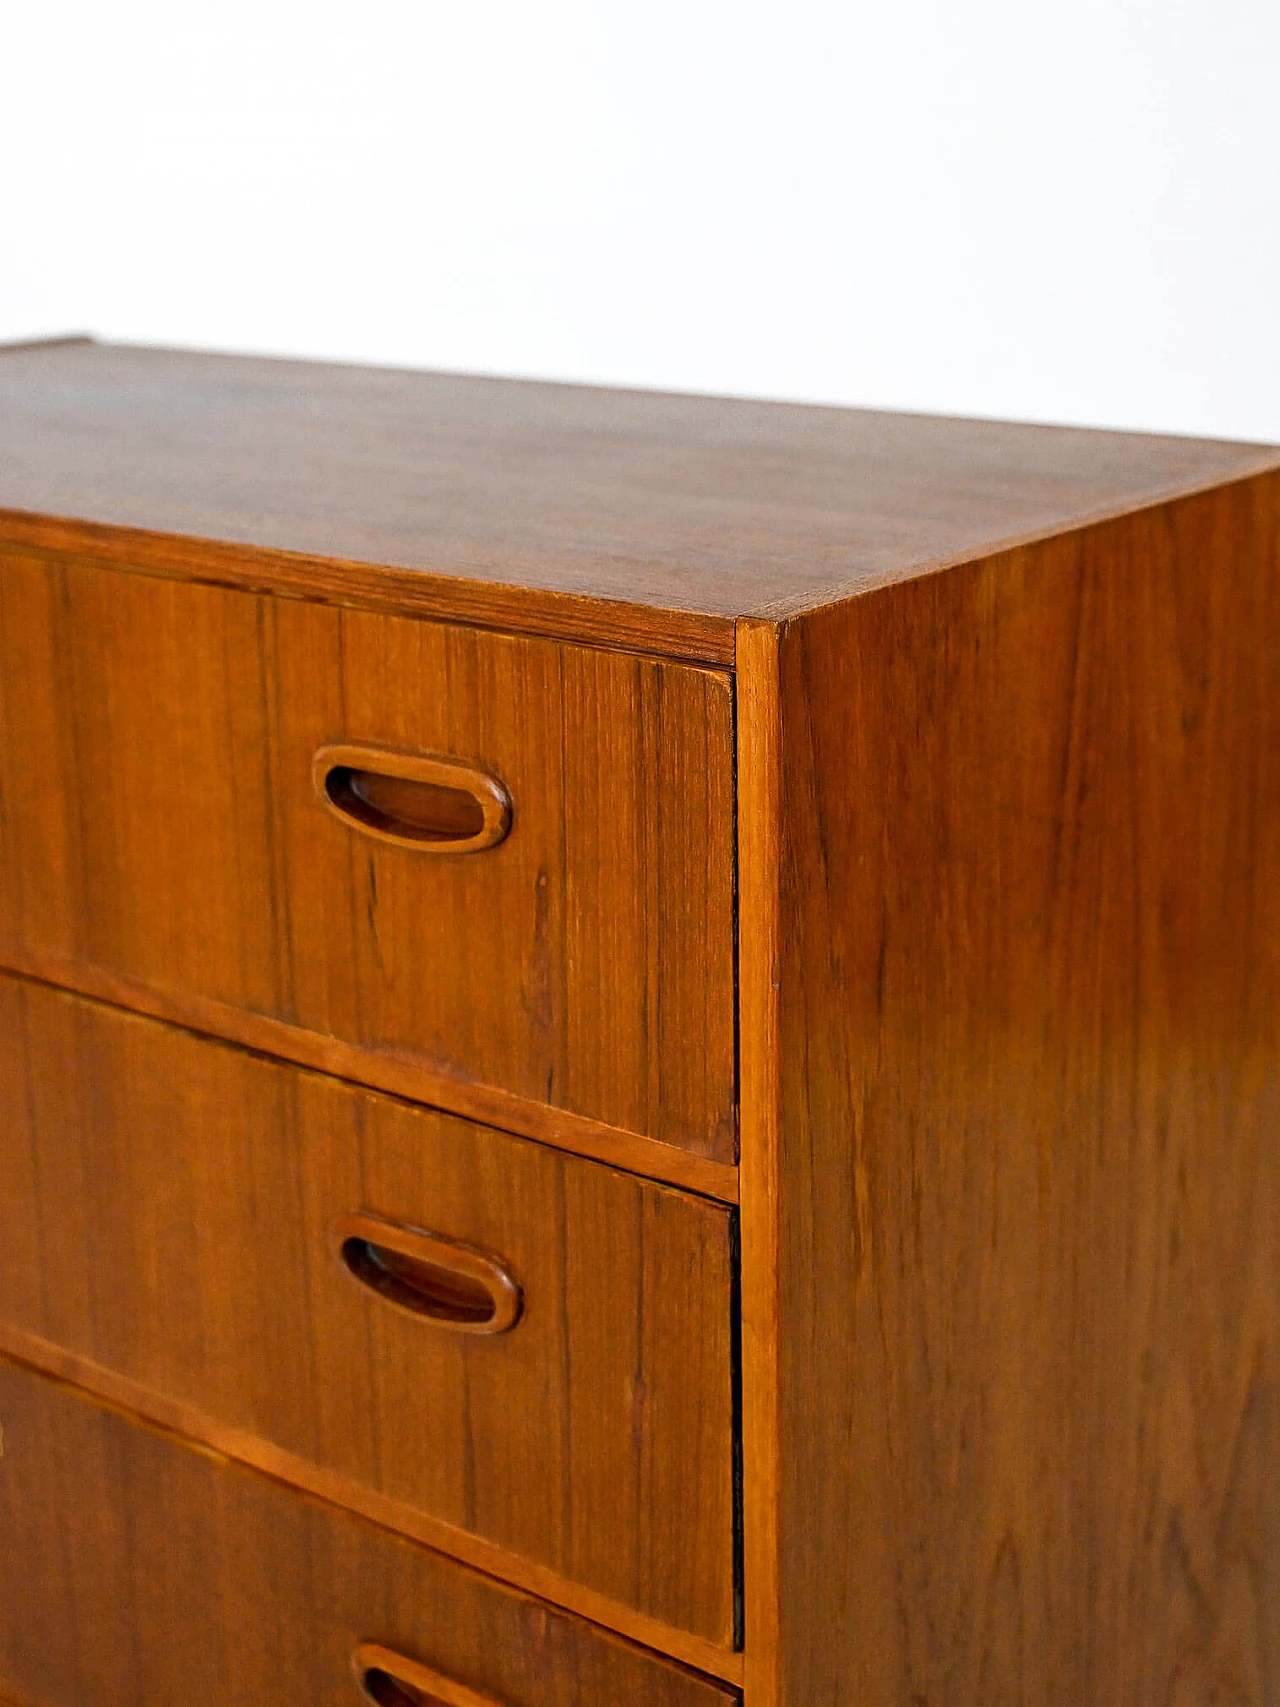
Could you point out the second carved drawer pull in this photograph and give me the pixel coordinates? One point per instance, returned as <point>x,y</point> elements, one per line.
<point>390,1680</point>
<point>415,800</point>
<point>453,1285</point>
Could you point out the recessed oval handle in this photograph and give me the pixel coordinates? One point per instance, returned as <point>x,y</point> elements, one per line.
<point>390,1680</point>
<point>421,801</point>
<point>432,1277</point>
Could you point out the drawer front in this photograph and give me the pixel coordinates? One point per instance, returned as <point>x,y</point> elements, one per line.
<point>180,1212</point>
<point>135,1572</point>
<point>167,819</point>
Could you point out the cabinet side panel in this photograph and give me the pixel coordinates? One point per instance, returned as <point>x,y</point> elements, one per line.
<point>1029,1152</point>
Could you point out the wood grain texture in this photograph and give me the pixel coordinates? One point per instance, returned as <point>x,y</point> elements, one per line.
<point>639,513</point>
<point>166,1210</point>
<point>9,1699</point>
<point>160,823</point>
<point>1029,1234</point>
<point>139,1573</point>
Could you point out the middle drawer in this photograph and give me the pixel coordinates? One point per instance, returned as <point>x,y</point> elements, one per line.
<point>180,1212</point>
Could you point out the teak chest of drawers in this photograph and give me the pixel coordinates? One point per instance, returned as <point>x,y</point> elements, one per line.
<point>639,1049</point>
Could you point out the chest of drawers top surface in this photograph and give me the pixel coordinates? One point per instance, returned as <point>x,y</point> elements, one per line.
<point>638,518</point>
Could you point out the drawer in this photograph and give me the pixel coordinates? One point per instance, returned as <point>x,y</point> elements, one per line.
<point>167,756</point>
<point>136,1572</point>
<point>232,1236</point>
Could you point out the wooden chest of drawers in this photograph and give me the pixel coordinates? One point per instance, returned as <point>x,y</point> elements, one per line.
<point>639,1049</point>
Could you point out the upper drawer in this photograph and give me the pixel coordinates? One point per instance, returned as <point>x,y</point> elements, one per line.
<point>158,767</point>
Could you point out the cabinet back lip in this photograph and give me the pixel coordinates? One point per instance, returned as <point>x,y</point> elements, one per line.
<point>506,607</point>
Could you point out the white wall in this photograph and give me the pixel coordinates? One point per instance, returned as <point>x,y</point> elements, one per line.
<point>1066,210</point>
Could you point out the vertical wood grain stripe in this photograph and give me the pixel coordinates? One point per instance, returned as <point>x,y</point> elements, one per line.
<point>759,868</point>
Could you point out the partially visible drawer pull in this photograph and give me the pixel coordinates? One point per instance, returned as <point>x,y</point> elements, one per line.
<point>453,1285</point>
<point>414,800</point>
<point>392,1681</point>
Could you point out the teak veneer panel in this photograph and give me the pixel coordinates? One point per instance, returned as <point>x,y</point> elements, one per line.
<point>1012,1313</point>
<point>160,823</point>
<point>136,1572</point>
<point>633,518</point>
<point>167,1208</point>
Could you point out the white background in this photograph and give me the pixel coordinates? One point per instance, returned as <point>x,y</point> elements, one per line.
<point>1052,209</point>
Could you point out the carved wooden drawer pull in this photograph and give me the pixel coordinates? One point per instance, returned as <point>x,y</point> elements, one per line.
<point>413,800</point>
<point>392,1681</point>
<point>450,1284</point>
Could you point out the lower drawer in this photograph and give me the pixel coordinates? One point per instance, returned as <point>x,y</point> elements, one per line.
<point>244,1241</point>
<point>135,1572</point>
